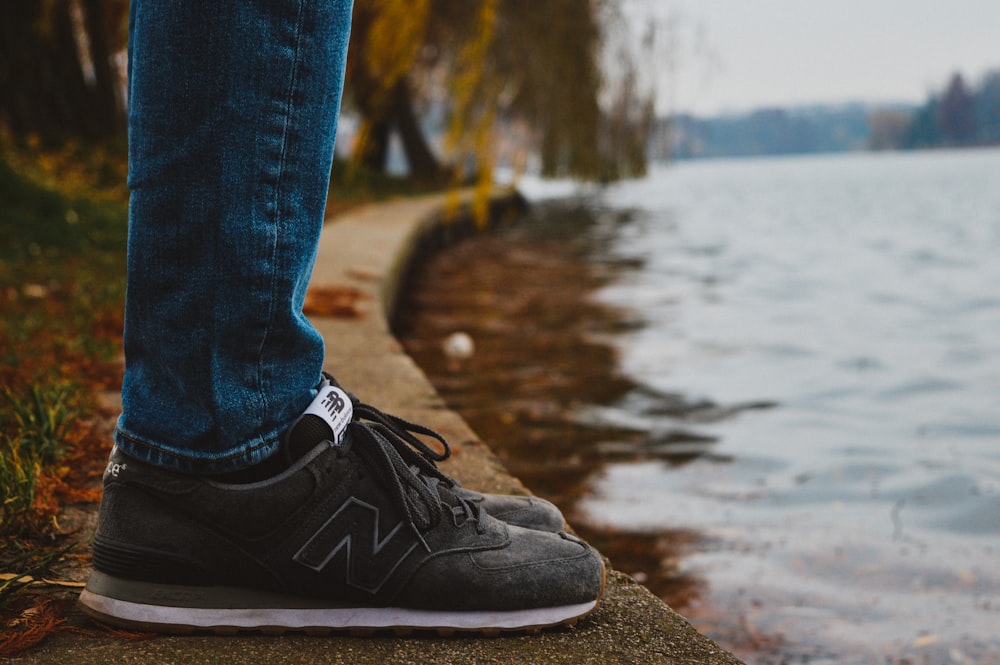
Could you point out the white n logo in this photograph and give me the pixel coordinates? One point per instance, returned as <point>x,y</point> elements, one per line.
<point>369,558</point>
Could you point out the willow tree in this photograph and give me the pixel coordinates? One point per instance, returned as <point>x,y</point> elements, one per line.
<point>520,63</point>
<point>386,37</point>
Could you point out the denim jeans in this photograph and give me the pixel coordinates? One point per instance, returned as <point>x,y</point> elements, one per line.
<point>233,111</point>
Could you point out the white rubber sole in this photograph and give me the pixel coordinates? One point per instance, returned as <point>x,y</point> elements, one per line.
<point>269,619</point>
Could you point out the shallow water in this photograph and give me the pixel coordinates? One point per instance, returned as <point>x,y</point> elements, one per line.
<point>858,519</point>
<point>770,389</point>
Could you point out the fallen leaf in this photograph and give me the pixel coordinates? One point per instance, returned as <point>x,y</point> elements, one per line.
<point>28,579</point>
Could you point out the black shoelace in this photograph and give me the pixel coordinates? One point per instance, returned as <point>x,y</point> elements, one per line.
<point>407,466</point>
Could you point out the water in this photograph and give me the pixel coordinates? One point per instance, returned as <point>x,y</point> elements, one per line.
<point>833,326</point>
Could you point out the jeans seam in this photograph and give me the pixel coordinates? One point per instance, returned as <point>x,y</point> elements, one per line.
<point>279,213</point>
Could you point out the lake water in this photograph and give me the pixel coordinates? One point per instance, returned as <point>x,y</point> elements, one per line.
<point>830,327</point>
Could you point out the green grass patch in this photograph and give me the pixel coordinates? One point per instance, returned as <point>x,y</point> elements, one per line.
<point>39,225</point>
<point>43,418</point>
<point>63,231</point>
<point>23,566</point>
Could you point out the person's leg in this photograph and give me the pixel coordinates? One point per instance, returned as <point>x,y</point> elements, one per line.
<point>232,118</point>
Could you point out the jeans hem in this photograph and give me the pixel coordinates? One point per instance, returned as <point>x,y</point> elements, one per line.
<point>183,461</point>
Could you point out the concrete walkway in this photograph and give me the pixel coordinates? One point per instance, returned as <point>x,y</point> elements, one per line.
<point>362,263</point>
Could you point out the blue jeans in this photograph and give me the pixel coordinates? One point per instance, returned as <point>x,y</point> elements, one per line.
<point>233,112</point>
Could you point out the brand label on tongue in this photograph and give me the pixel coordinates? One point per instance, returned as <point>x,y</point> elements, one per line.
<point>334,406</point>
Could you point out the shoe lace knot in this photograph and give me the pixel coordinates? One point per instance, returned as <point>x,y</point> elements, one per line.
<point>407,467</point>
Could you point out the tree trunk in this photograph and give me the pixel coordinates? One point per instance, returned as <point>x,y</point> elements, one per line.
<point>108,106</point>
<point>423,163</point>
<point>373,151</point>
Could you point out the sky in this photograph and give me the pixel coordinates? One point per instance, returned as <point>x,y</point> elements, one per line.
<point>736,55</point>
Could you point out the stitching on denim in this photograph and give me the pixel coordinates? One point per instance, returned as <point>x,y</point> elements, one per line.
<point>174,453</point>
<point>290,109</point>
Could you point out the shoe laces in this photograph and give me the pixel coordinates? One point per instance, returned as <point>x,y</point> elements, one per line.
<point>407,466</point>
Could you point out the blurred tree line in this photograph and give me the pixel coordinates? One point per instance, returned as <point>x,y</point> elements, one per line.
<point>959,115</point>
<point>485,75</point>
<point>767,131</point>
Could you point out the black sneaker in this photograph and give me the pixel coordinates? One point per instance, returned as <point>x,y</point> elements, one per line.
<point>317,425</point>
<point>359,533</point>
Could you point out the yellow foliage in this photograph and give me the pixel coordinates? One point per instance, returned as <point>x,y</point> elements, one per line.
<point>469,81</point>
<point>392,34</point>
<point>395,38</point>
<point>470,131</point>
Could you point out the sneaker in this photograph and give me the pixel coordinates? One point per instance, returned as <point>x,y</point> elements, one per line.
<point>528,512</point>
<point>317,425</point>
<point>360,533</point>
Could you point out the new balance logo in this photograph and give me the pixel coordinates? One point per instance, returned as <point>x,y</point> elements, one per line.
<point>354,532</point>
<point>334,406</point>
<point>334,402</point>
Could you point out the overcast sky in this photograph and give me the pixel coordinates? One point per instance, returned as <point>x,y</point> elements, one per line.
<point>736,55</point>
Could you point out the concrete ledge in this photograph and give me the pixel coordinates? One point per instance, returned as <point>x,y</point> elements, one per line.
<point>362,262</point>
<point>366,255</point>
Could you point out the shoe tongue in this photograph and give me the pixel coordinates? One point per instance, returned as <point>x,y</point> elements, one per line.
<point>326,419</point>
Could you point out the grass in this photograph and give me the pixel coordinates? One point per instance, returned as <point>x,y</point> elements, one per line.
<point>31,564</point>
<point>43,418</point>
<point>62,253</point>
<point>37,427</point>
<point>19,474</point>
